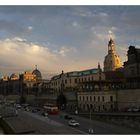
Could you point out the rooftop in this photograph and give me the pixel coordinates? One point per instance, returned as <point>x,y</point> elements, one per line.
<point>77,73</point>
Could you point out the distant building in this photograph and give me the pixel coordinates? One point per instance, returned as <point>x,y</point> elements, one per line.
<point>26,83</point>
<point>14,77</point>
<point>5,78</point>
<point>96,101</point>
<point>28,76</point>
<point>70,81</point>
<point>132,68</point>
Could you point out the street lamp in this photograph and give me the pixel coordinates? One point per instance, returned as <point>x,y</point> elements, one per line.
<point>90,130</point>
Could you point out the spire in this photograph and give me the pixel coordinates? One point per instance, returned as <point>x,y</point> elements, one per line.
<point>111,46</point>
<point>99,67</point>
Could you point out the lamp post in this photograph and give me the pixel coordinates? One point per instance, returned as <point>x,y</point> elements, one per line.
<point>90,130</point>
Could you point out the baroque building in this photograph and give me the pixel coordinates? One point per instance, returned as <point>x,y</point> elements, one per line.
<point>25,83</point>
<point>112,60</point>
<point>70,81</point>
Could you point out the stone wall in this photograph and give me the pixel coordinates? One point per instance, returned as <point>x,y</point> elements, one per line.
<point>128,98</point>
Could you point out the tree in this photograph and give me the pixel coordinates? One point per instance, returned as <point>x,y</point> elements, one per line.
<point>61,101</point>
<point>22,100</point>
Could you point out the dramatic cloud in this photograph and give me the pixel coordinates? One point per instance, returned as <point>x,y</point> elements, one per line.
<point>18,55</point>
<point>22,55</point>
<point>64,37</point>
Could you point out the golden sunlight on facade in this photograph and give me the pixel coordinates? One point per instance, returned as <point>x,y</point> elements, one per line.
<point>71,80</point>
<point>5,78</point>
<point>28,76</point>
<point>14,77</point>
<point>112,60</point>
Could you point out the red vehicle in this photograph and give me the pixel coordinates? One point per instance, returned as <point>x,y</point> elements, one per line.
<point>51,109</point>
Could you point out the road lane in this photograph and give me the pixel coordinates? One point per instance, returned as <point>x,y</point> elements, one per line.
<point>98,127</point>
<point>45,125</point>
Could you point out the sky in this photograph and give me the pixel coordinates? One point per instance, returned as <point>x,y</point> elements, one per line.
<point>68,38</point>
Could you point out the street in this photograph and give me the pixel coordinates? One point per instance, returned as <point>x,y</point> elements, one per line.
<point>57,124</point>
<point>98,127</point>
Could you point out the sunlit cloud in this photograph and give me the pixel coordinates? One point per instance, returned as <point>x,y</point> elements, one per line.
<point>18,55</point>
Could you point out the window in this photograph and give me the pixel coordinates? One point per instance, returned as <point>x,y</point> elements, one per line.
<point>75,80</point>
<point>87,98</point>
<point>85,79</point>
<point>94,98</point>
<point>91,106</point>
<point>66,81</point>
<point>83,98</point>
<point>84,106</point>
<point>98,98</point>
<point>111,98</point>
<point>103,98</point>
<point>79,81</point>
<point>90,98</point>
<point>79,98</point>
<point>70,80</point>
<point>111,107</point>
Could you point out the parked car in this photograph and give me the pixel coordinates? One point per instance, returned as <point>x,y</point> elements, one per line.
<point>67,117</point>
<point>73,123</point>
<point>133,109</point>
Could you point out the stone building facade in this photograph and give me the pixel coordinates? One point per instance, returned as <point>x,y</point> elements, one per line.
<point>132,68</point>
<point>71,80</point>
<point>96,101</point>
<point>18,84</point>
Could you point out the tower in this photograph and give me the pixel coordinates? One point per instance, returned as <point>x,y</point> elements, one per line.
<point>112,60</point>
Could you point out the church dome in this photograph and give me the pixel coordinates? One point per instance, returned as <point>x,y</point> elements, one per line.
<point>13,77</point>
<point>37,73</point>
<point>112,60</point>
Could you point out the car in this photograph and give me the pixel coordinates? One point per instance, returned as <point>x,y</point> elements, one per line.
<point>27,109</point>
<point>67,117</point>
<point>45,114</point>
<point>73,123</point>
<point>18,106</point>
<point>135,109</point>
